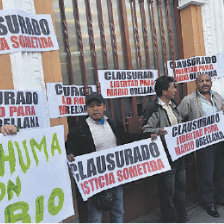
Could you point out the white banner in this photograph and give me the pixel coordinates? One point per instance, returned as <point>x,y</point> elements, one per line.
<point>98,171</point>
<point>127,83</point>
<point>67,100</point>
<point>22,31</point>
<point>34,181</point>
<point>188,137</point>
<point>23,108</point>
<point>188,69</point>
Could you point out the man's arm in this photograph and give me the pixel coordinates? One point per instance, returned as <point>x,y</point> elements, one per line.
<point>151,128</point>
<point>184,108</point>
<point>70,144</point>
<point>73,144</point>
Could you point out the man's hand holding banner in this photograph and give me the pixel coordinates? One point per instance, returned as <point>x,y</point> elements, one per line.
<point>98,171</point>
<point>188,137</point>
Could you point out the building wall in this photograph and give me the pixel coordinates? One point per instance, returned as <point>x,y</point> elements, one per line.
<point>202,24</point>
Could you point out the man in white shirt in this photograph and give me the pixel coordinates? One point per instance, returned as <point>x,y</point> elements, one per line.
<point>95,133</point>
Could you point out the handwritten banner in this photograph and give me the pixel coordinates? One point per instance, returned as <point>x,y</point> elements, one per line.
<point>25,109</point>
<point>67,100</point>
<point>34,181</point>
<point>188,137</point>
<point>127,83</point>
<point>22,31</point>
<point>98,171</point>
<point>188,69</point>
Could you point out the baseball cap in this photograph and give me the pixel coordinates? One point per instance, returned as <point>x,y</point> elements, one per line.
<point>94,96</point>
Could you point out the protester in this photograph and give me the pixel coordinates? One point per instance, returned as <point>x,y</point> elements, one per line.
<point>160,113</point>
<point>96,133</point>
<point>210,160</point>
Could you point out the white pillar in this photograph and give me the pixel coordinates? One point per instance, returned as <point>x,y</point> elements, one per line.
<point>213,26</point>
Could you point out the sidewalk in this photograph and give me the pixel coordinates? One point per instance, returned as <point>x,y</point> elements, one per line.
<point>196,214</point>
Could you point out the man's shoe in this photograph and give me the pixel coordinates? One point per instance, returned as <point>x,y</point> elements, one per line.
<point>211,210</point>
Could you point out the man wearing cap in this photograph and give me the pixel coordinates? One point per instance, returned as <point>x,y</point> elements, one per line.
<point>95,133</point>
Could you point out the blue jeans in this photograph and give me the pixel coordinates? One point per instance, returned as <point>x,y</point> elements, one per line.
<point>172,185</point>
<point>116,212</point>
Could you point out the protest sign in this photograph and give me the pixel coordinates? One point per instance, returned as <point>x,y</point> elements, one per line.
<point>98,171</point>
<point>67,100</point>
<point>22,31</point>
<point>34,180</point>
<point>191,136</point>
<point>25,109</point>
<point>188,69</point>
<point>127,83</point>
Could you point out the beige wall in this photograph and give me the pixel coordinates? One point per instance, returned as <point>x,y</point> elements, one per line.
<point>51,60</point>
<point>5,69</point>
<point>192,34</point>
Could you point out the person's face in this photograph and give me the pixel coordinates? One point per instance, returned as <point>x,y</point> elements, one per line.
<point>170,93</point>
<point>96,109</point>
<point>204,84</point>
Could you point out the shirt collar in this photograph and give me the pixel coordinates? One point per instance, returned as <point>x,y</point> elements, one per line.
<point>211,93</point>
<point>160,102</point>
<point>97,122</point>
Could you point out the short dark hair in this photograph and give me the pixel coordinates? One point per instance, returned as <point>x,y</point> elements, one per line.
<point>94,96</point>
<point>162,83</point>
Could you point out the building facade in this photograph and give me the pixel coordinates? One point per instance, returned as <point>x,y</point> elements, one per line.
<point>122,34</point>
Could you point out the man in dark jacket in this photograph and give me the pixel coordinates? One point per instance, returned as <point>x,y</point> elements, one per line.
<point>160,113</point>
<point>96,133</point>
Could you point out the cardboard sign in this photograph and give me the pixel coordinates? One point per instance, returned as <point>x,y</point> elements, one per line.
<point>191,136</point>
<point>127,83</point>
<point>25,109</point>
<point>34,180</point>
<point>22,31</point>
<point>98,171</point>
<point>188,69</point>
<point>67,100</point>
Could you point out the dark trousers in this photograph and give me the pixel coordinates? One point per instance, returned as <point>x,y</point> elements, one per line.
<point>172,185</point>
<point>211,174</point>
